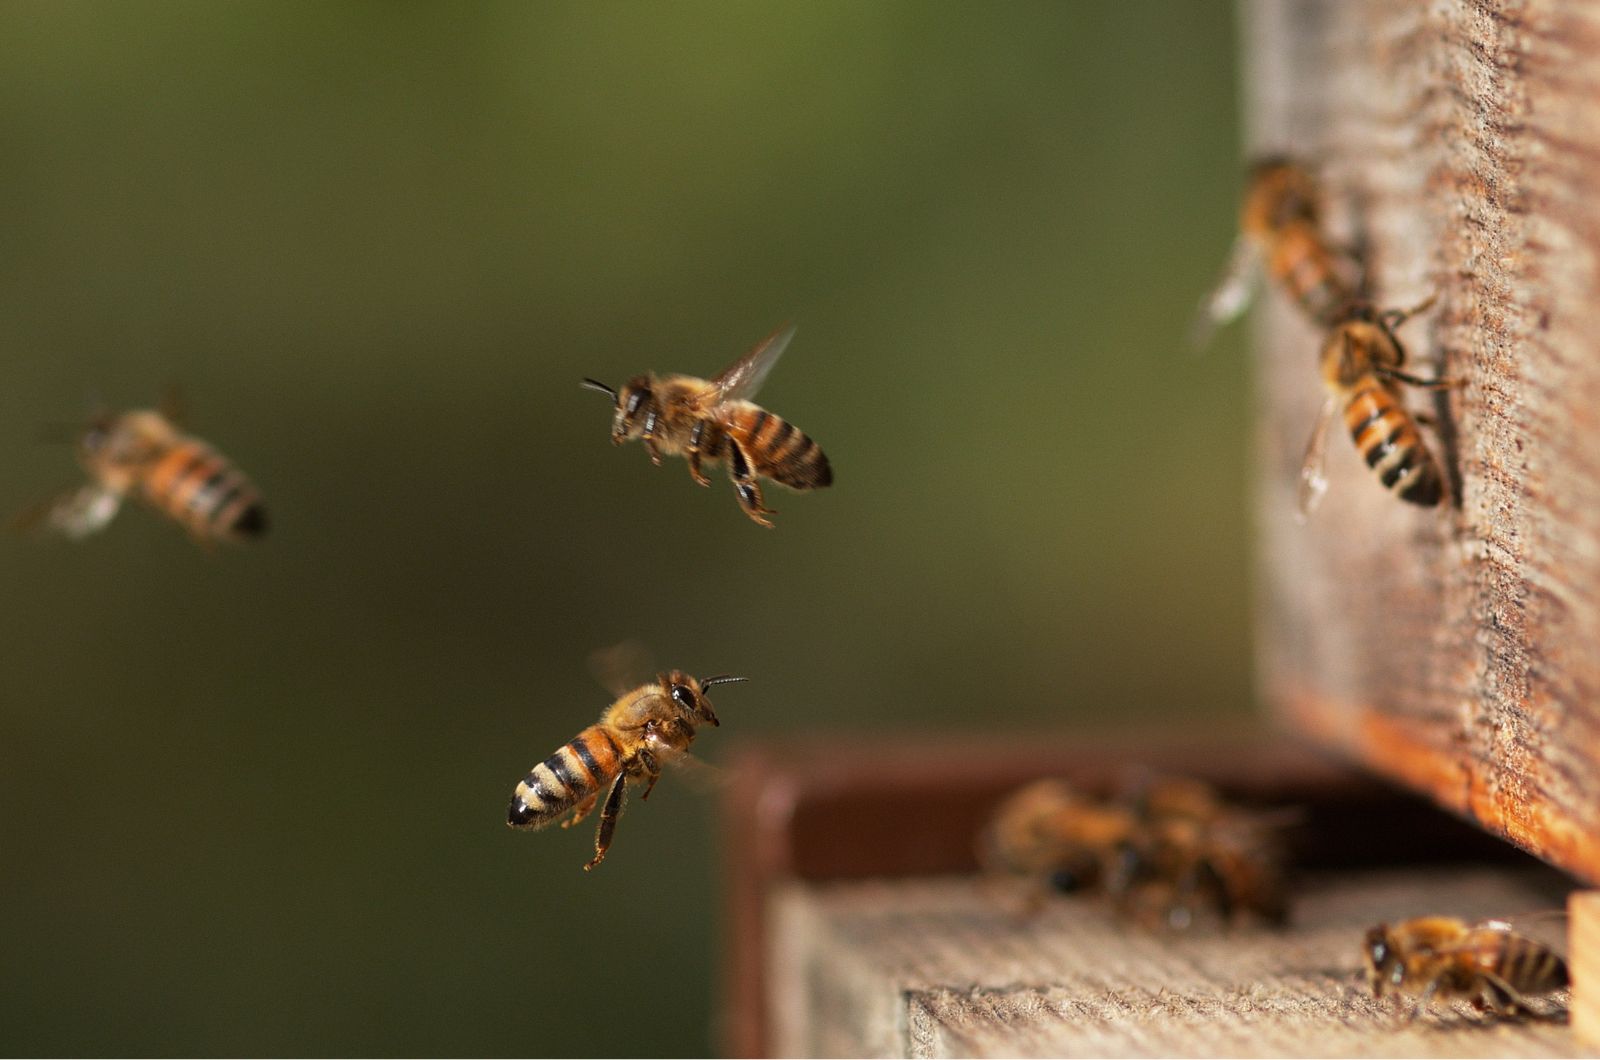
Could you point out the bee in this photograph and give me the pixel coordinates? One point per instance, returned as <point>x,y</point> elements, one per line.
<point>1280,227</point>
<point>646,728</point>
<point>710,420</point>
<point>1439,956</point>
<point>142,453</point>
<point>1160,854</point>
<point>1361,366</point>
<point>1049,832</point>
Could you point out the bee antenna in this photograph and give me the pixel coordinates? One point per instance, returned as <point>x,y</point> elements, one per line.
<point>595,384</point>
<point>721,679</point>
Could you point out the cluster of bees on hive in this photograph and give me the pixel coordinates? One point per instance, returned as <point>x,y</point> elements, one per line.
<point>1168,854</point>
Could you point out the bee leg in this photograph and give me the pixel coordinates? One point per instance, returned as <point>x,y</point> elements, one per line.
<point>608,821</point>
<point>694,453</point>
<point>581,812</point>
<point>652,769</point>
<point>649,437</point>
<point>746,486</point>
<point>1418,381</point>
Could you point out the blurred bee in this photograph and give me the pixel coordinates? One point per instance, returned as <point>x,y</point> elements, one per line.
<point>1162,855</point>
<point>1361,369</point>
<point>1280,226</point>
<point>1487,963</point>
<point>646,728</point>
<point>713,420</point>
<point>143,454</point>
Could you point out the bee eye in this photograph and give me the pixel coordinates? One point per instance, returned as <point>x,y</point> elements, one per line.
<point>683,697</point>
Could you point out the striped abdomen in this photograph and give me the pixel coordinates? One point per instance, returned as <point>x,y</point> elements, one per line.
<point>1301,261</point>
<point>574,773</point>
<point>1387,438</point>
<point>195,485</point>
<point>777,449</point>
<point>1528,967</point>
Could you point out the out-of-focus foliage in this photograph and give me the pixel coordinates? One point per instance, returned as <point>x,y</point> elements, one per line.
<point>255,801</point>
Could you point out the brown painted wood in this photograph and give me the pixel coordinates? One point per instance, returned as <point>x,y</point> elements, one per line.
<point>1455,649</point>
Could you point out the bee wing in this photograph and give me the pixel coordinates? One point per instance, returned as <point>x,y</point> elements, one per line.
<point>1313,471</point>
<point>77,514</point>
<point>741,379</point>
<point>622,667</point>
<point>700,775</point>
<point>1548,927</point>
<point>1230,297</point>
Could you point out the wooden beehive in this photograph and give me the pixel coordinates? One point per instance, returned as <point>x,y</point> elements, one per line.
<point>1456,650</point>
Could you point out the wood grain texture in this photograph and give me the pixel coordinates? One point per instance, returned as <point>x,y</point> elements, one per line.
<point>1456,649</point>
<point>946,967</point>
<point>1583,908</point>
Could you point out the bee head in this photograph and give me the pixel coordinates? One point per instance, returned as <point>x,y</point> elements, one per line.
<point>632,403</point>
<point>690,694</point>
<point>1383,964</point>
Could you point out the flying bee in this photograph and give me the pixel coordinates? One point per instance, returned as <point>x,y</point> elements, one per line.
<point>1280,228</point>
<point>706,421</point>
<point>143,454</point>
<point>1438,956</point>
<point>1361,365</point>
<point>645,729</point>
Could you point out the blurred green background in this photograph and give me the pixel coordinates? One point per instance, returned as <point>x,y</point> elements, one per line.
<point>254,801</point>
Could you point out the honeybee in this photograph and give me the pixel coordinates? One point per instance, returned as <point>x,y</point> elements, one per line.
<point>1361,370</point>
<point>1280,226</point>
<point>646,728</point>
<point>142,453</point>
<point>713,420</point>
<point>1439,956</point>
<point>1160,854</point>
<point>1053,834</point>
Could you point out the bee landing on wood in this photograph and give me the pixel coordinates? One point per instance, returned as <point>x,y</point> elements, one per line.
<point>645,729</point>
<point>1486,963</point>
<point>143,454</point>
<point>1361,365</point>
<point>710,420</point>
<point>1280,231</point>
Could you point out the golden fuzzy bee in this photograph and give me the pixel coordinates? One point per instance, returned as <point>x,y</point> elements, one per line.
<point>144,455</point>
<point>1361,366</point>
<point>646,728</point>
<point>1438,956</point>
<point>1281,227</point>
<point>710,420</point>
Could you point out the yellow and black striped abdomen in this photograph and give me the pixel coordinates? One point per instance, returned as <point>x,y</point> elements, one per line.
<point>1303,263</point>
<point>778,450</point>
<point>574,773</point>
<point>199,488</point>
<point>1387,438</point>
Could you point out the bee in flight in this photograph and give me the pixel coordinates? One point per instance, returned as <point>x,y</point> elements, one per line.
<point>706,421</point>
<point>1439,956</point>
<point>1361,365</point>
<point>647,728</point>
<point>1280,228</point>
<point>143,454</point>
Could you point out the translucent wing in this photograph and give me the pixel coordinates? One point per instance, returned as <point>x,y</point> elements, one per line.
<point>77,514</point>
<point>741,379</point>
<point>1230,297</point>
<point>622,667</point>
<point>1313,471</point>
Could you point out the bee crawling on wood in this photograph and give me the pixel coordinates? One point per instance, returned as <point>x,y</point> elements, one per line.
<point>645,728</point>
<point>1487,963</point>
<point>143,454</point>
<point>1281,232</point>
<point>1362,366</point>
<point>710,420</point>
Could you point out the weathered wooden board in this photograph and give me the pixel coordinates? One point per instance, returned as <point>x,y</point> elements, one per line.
<point>945,967</point>
<point>1456,649</point>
